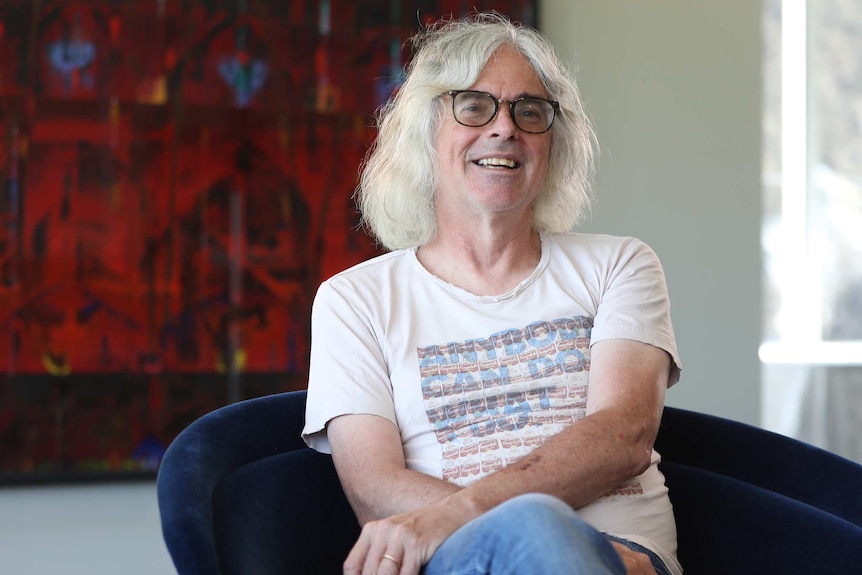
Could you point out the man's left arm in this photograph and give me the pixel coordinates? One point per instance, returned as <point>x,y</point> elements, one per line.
<point>610,445</point>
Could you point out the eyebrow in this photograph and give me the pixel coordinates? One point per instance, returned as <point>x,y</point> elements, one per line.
<point>521,95</point>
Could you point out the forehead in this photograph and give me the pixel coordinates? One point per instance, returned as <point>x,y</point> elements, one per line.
<point>508,74</point>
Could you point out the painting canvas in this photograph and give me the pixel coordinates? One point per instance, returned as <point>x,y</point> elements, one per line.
<point>176,180</point>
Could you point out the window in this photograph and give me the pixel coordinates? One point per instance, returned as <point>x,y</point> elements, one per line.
<point>813,182</point>
<point>812,178</point>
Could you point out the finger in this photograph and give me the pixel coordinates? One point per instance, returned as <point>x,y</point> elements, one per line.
<point>636,563</point>
<point>375,563</point>
<point>411,563</point>
<point>641,564</point>
<point>390,564</point>
<point>355,562</point>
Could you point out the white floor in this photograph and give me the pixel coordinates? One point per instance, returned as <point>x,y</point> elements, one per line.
<point>96,529</point>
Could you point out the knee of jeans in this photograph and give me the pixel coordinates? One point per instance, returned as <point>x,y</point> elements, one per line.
<point>551,522</point>
<point>537,507</point>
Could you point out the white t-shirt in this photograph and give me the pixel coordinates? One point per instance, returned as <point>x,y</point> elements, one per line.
<point>476,382</point>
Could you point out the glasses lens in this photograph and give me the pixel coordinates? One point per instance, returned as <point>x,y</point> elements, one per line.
<point>473,108</point>
<point>533,115</point>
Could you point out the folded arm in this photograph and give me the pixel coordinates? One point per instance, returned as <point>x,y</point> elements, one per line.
<point>370,462</point>
<point>612,444</point>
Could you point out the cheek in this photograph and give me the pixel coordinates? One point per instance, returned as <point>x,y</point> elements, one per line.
<point>446,146</point>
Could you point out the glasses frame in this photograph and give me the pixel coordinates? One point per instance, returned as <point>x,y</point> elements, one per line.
<point>555,106</point>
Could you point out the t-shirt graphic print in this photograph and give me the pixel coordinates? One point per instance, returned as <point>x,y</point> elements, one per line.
<point>492,400</point>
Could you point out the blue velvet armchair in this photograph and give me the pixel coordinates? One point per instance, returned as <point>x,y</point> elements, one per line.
<point>240,493</point>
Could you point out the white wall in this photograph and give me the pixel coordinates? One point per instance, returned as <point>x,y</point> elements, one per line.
<point>673,87</point>
<point>100,529</point>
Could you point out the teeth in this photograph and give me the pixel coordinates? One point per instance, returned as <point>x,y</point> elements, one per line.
<point>497,162</point>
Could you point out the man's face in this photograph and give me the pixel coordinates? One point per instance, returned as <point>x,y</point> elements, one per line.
<point>495,169</point>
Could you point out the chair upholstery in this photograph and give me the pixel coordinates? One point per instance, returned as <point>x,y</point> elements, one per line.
<point>750,501</point>
<point>239,493</point>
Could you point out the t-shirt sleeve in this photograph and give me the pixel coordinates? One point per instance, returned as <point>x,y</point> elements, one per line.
<point>634,303</point>
<point>347,373</point>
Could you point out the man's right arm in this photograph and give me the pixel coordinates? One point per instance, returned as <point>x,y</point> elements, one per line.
<point>376,480</point>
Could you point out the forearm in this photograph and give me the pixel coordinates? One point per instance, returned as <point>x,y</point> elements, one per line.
<point>612,444</point>
<point>376,480</point>
<point>578,465</point>
<point>398,492</point>
<point>562,467</point>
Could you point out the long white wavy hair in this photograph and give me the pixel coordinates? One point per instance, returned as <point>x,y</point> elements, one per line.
<point>396,189</point>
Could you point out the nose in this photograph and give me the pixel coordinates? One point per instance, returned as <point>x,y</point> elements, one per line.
<point>502,125</point>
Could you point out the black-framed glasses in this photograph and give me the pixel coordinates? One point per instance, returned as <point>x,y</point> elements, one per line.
<point>529,113</point>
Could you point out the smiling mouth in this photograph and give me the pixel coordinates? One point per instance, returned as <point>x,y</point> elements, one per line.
<point>497,163</point>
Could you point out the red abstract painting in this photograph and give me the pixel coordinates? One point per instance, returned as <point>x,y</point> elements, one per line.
<point>176,180</point>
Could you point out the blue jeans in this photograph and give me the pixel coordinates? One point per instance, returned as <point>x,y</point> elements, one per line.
<point>532,534</point>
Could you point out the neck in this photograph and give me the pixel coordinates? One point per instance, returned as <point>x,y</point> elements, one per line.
<point>483,264</point>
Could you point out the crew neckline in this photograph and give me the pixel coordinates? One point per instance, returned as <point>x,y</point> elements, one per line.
<point>511,294</point>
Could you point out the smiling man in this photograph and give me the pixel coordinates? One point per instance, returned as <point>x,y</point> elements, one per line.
<point>481,168</point>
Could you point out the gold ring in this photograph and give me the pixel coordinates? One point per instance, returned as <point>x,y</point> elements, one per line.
<point>391,558</point>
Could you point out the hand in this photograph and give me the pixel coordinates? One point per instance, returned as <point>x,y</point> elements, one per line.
<point>636,563</point>
<point>402,544</point>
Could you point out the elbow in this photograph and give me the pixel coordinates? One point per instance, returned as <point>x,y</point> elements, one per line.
<point>638,454</point>
<point>636,461</point>
<point>641,459</point>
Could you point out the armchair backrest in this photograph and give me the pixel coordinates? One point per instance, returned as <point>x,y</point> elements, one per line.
<point>239,492</point>
<point>750,501</point>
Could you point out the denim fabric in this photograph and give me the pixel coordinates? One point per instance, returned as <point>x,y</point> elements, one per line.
<point>532,534</point>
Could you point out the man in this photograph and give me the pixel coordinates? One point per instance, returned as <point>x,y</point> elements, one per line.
<point>482,164</point>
